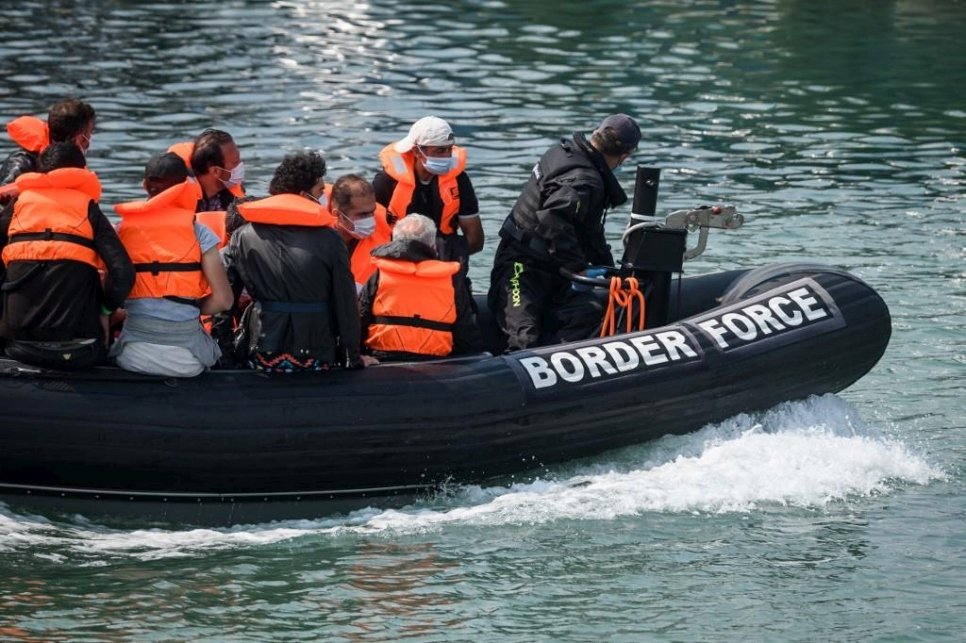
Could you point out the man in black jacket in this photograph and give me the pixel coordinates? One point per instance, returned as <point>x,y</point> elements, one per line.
<point>55,311</point>
<point>558,222</point>
<point>296,269</point>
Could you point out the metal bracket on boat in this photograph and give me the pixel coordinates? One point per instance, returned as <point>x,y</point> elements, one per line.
<point>724,217</point>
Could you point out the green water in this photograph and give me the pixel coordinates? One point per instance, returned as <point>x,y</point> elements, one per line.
<point>838,129</point>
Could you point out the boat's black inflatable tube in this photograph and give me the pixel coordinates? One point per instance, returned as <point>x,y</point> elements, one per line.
<point>238,446</point>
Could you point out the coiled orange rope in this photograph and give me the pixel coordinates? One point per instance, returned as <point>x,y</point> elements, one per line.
<point>623,298</point>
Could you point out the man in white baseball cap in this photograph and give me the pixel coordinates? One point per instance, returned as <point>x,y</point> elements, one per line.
<point>424,173</point>
<point>428,131</point>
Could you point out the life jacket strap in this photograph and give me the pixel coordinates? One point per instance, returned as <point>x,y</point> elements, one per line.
<point>415,322</point>
<point>50,235</point>
<point>181,300</point>
<point>157,267</point>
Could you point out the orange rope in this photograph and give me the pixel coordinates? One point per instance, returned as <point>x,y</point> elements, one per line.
<point>620,298</point>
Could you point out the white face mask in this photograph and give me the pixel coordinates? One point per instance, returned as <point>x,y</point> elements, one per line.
<point>438,164</point>
<point>363,227</point>
<point>321,200</point>
<point>236,177</point>
<point>85,145</point>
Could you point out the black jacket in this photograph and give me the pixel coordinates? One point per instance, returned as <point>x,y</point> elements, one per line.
<point>18,162</point>
<point>306,266</point>
<point>426,201</point>
<point>558,220</point>
<point>61,300</point>
<point>466,334</point>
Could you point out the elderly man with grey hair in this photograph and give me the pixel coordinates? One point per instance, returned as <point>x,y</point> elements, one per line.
<point>415,306</point>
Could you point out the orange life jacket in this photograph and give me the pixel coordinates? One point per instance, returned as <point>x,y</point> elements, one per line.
<point>286,209</point>
<point>30,133</point>
<point>215,220</point>
<point>159,236</point>
<point>362,263</point>
<point>414,309</point>
<point>50,217</point>
<point>185,149</point>
<point>400,166</point>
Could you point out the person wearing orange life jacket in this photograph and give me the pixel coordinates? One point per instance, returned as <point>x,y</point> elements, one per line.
<point>361,222</point>
<point>424,173</point>
<point>414,306</point>
<point>296,269</point>
<point>68,120</point>
<point>179,277</point>
<point>54,238</point>
<point>216,163</point>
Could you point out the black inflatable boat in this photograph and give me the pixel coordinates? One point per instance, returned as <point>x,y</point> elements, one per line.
<point>240,446</point>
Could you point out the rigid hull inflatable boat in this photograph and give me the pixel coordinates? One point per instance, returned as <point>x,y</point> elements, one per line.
<point>240,446</point>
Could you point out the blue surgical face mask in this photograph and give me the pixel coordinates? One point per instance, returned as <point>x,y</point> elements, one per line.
<point>237,176</point>
<point>438,164</point>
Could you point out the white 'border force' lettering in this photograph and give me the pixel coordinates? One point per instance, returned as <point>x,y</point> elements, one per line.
<point>610,358</point>
<point>777,314</point>
<point>733,327</point>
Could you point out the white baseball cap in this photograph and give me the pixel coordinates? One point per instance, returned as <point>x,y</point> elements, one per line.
<point>429,130</point>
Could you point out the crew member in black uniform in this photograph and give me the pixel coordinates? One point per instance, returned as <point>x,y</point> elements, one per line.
<point>558,222</point>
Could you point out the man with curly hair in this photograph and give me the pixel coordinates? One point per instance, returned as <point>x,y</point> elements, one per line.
<point>296,269</point>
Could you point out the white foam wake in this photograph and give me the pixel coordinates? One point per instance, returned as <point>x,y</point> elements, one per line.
<point>805,454</point>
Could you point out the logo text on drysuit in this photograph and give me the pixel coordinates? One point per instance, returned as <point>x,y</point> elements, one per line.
<point>610,358</point>
<point>515,298</point>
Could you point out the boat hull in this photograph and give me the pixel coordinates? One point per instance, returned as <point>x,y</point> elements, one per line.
<point>241,446</point>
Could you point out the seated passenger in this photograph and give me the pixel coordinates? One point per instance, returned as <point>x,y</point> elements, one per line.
<point>216,164</point>
<point>55,239</point>
<point>424,172</point>
<point>296,269</point>
<point>67,121</point>
<point>361,223</point>
<point>415,306</point>
<point>179,277</point>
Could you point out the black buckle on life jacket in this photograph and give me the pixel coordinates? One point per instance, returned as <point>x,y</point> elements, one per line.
<point>415,321</point>
<point>157,267</point>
